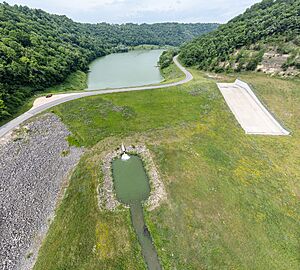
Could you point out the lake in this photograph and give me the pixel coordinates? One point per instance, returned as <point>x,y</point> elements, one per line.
<point>134,68</point>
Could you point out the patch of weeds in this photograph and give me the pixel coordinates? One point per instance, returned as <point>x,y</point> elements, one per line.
<point>65,153</point>
<point>105,107</point>
<point>73,141</point>
<point>21,133</point>
<point>117,108</point>
<point>17,138</point>
<point>128,112</point>
<point>25,130</point>
<point>29,255</point>
<point>198,91</point>
<point>205,108</point>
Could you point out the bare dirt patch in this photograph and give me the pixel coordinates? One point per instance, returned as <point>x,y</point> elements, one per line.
<point>273,62</point>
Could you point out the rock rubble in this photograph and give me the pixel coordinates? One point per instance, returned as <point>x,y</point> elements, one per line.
<point>35,160</point>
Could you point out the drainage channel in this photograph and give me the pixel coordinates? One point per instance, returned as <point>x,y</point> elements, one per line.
<point>132,188</point>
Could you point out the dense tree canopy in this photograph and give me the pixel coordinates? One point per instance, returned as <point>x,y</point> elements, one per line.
<point>267,21</point>
<point>166,58</point>
<point>38,49</point>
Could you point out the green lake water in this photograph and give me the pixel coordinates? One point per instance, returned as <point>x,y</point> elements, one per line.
<point>134,68</point>
<point>132,188</point>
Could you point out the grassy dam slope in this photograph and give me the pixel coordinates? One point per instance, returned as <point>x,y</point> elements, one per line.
<point>233,199</point>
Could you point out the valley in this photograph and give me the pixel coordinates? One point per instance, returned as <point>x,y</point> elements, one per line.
<point>150,145</point>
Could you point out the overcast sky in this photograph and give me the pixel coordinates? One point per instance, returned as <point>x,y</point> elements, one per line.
<point>139,11</point>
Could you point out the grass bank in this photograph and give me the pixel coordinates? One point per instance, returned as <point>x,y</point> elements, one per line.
<point>172,74</point>
<point>76,81</point>
<point>20,110</point>
<point>233,199</point>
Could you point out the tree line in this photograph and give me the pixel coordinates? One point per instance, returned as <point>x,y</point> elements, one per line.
<point>268,22</point>
<point>38,49</point>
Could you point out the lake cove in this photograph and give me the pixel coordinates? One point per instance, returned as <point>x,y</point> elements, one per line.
<point>134,68</point>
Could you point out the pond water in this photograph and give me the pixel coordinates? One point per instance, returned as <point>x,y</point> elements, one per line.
<point>134,68</point>
<point>132,188</point>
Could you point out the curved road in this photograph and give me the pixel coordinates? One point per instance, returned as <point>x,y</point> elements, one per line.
<point>36,110</point>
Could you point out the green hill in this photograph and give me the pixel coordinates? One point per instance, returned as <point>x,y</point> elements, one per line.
<point>266,34</point>
<point>38,49</point>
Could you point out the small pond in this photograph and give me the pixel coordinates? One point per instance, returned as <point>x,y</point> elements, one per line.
<point>132,188</point>
<point>134,68</point>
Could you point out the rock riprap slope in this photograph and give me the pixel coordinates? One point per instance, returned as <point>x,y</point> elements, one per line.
<point>35,161</point>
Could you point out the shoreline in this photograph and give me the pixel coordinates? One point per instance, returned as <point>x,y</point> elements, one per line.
<point>62,98</point>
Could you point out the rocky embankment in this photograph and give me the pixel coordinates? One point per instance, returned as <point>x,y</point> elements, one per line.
<point>35,162</point>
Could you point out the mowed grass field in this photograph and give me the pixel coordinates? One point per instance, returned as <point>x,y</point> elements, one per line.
<point>233,199</point>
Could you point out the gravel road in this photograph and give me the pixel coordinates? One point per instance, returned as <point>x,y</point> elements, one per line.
<point>34,163</point>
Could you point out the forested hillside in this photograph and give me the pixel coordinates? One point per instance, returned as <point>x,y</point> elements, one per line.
<point>38,49</point>
<point>267,32</point>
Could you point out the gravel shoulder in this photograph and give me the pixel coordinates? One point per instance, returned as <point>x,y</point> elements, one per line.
<point>35,162</point>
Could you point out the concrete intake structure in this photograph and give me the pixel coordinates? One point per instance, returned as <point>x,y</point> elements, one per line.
<point>251,114</point>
